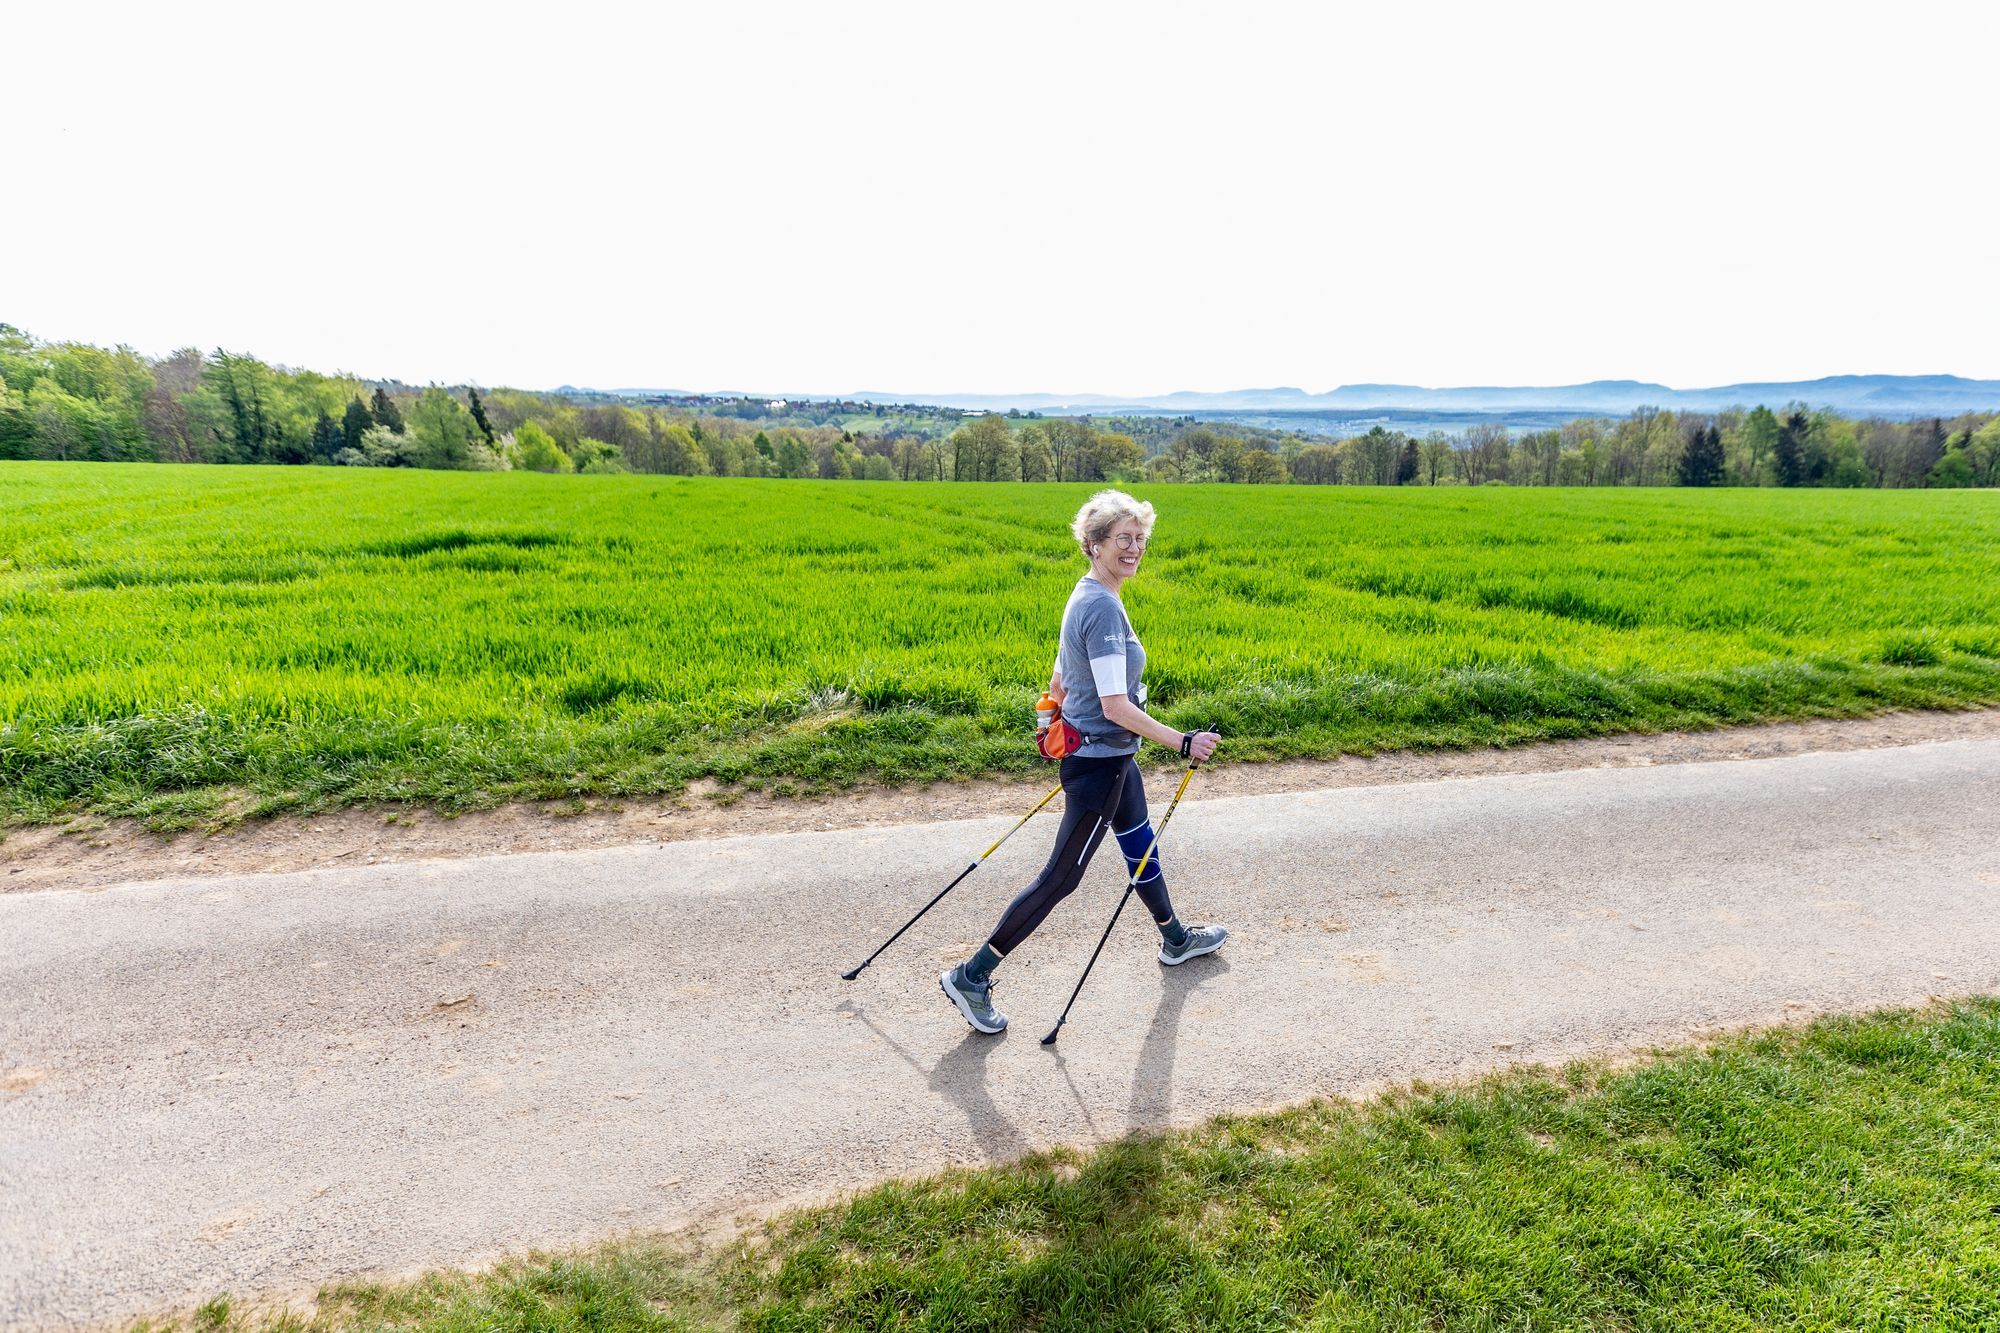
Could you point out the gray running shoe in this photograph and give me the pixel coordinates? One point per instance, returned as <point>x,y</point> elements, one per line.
<point>1200,940</point>
<point>975,1002</point>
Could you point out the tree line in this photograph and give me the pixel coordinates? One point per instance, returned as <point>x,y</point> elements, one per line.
<point>73,401</point>
<point>1655,447</point>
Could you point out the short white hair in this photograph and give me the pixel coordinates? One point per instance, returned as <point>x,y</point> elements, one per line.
<point>1105,511</point>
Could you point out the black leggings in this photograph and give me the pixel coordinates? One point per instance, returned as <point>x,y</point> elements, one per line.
<point>1099,796</point>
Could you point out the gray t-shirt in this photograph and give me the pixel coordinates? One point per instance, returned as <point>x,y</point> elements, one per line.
<point>1099,655</point>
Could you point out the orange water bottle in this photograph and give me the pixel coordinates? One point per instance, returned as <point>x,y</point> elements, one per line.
<point>1046,713</point>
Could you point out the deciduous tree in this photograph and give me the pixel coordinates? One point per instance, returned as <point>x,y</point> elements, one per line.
<point>240,382</point>
<point>983,448</point>
<point>535,451</point>
<point>441,431</point>
<point>1434,454</point>
<point>1317,465</point>
<point>1760,441</point>
<point>1261,467</point>
<point>1116,454</point>
<point>1036,462</point>
<point>1227,459</point>
<point>1071,446</point>
<point>1982,451</point>
<point>794,459</point>
<point>1482,455</point>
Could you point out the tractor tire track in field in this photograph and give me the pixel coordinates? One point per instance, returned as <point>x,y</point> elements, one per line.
<point>261,1082</point>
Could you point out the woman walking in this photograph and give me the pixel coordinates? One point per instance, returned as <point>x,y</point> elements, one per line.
<point>1098,681</point>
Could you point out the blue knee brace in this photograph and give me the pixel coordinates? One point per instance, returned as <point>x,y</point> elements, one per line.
<point>1133,842</point>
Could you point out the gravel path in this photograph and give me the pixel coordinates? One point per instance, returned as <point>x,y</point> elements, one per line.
<point>259,1082</point>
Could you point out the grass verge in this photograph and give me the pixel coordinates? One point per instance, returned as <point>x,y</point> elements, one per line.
<point>1841,1176</point>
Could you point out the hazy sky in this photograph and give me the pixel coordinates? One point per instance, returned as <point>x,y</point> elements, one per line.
<point>1033,197</point>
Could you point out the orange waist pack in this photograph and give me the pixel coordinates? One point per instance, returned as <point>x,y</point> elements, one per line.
<point>1058,739</point>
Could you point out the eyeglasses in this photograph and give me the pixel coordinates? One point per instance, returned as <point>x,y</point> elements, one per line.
<point>1126,541</point>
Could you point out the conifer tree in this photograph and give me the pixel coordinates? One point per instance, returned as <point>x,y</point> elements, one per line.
<point>386,413</point>
<point>325,437</point>
<point>354,423</point>
<point>1702,461</point>
<point>479,418</point>
<point>1790,455</point>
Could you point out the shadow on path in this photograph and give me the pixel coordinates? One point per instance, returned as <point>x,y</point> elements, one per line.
<point>959,1076</point>
<point>1153,1075</point>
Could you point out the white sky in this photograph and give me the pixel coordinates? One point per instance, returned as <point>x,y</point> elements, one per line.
<point>1031,197</point>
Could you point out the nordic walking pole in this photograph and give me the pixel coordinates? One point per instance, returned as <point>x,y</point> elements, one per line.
<point>1130,884</point>
<point>851,975</point>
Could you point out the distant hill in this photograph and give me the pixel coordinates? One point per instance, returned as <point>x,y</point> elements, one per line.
<point>1857,395</point>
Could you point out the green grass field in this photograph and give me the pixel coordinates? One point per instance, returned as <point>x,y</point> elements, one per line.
<point>185,644</point>
<point>1844,1177</point>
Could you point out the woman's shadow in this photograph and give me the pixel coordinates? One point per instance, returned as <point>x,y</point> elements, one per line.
<point>959,1076</point>
<point>1153,1075</point>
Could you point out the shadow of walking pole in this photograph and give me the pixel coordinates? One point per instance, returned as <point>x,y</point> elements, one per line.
<point>1153,1074</point>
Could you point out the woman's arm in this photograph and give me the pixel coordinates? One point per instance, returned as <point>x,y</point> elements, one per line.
<point>1120,711</point>
<point>1056,690</point>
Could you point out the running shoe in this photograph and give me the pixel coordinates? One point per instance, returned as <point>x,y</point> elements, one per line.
<point>1200,940</point>
<point>975,1002</point>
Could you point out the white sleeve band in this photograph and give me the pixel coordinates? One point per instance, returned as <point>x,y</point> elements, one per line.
<point>1109,673</point>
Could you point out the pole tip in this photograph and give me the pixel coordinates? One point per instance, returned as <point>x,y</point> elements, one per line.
<point>1050,1040</point>
<point>849,976</point>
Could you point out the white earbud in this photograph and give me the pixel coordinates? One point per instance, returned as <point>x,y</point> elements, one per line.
<point>1093,548</point>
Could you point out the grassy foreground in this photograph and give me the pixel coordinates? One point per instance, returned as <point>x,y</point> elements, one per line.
<point>1844,1176</point>
<point>182,643</point>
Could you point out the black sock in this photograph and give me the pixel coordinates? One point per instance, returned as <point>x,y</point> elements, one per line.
<point>978,969</point>
<point>1172,931</point>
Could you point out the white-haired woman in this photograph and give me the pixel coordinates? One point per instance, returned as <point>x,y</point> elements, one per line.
<point>1098,681</point>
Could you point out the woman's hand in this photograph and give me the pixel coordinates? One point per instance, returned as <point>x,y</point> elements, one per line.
<point>1203,746</point>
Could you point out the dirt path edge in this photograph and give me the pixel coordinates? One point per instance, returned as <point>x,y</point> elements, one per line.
<point>94,854</point>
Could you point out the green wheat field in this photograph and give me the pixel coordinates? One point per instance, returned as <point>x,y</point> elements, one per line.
<point>191,645</point>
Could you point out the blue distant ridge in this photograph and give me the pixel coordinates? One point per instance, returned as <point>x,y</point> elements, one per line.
<point>1854,395</point>
<point>1887,395</point>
